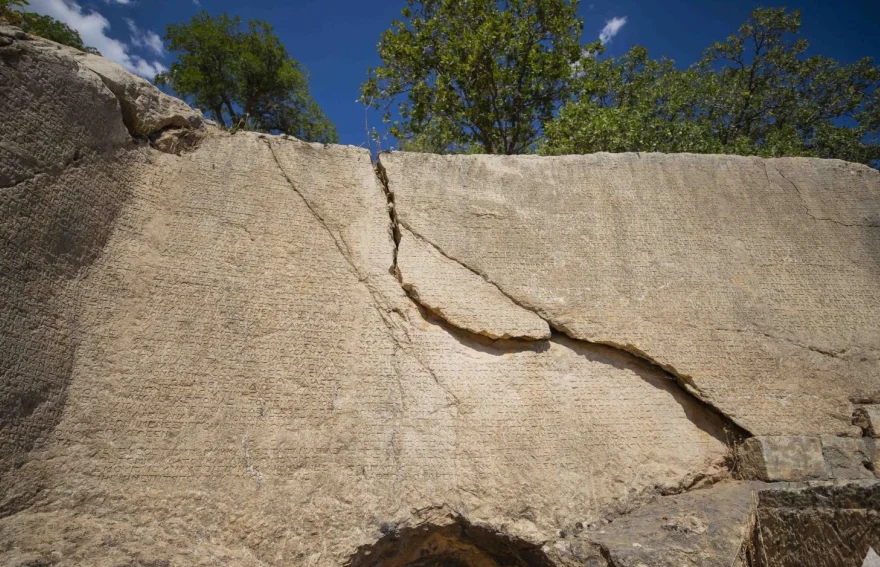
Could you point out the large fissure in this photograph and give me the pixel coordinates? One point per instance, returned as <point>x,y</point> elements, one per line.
<point>735,432</point>
<point>382,175</point>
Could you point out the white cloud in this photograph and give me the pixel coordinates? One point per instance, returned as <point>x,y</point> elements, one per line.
<point>145,68</point>
<point>146,39</point>
<point>123,2</point>
<point>611,28</point>
<point>93,27</point>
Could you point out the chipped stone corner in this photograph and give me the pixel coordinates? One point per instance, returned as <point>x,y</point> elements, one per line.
<point>146,110</point>
<point>176,141</point>
<point>170,124</point>
<point>801,458</point>
<point>867,418</point>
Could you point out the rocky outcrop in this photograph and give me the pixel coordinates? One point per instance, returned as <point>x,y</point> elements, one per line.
<point>146,110</point>
<point>246,349</point>
<point>64,169</point>
<point>752,281</point>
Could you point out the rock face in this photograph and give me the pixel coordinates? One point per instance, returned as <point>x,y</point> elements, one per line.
<point>753,281</point>
<point>460,296</point>
<point>783,458</point>
<point>249,350</point>
<point>818,526</point>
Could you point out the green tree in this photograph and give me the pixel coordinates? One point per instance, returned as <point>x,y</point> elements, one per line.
<point>243,78</point>
<point>631,103</point>
<point>6,9</point>
<point>50,28</point>
<point>475,75</point>
<point>756,93</point>
<point>44,26</point>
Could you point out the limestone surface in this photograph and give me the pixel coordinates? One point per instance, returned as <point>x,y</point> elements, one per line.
<point>245,351</point>
<point>461,297</point>
<point>753,281</point>
<point>703,527</point>
<point>783,458</point>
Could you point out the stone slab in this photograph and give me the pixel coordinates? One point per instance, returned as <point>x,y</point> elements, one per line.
<point>819,526</point>
<point>754,281</point>
<point>461,297</point>
<point>848,458</point>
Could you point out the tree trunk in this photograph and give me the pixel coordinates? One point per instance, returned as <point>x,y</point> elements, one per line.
<point>232,116</point>
<point>217,111</point>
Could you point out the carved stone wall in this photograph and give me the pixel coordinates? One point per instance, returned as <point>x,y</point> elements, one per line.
<point>249,350</point>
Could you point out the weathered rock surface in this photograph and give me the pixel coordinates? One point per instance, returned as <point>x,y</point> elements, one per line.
<point>848,458</point>
<point>44,127</point>
<point>820,526</point>
<point>703,527</point>
<point>64,175</point>
<point>242,354</point>
<point>753,281</point>
<point>783,458</point>
<point>868,419</point>
<point>461,297</point>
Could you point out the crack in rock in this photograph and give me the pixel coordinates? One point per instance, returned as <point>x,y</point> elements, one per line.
<point>686,382</point>
<point>340,244</point>
<point>53,170</point>
<point>807,207</point>
<point>477,305</point>
<point>379,304</point>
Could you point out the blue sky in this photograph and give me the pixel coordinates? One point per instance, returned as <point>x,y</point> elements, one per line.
<point>336,41</point>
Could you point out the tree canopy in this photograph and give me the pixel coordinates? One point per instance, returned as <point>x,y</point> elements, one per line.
<point>475,75</point>
<point>44,26</point>
<point>243,78</point>
<point>756,93</point>
<point>510,76</point>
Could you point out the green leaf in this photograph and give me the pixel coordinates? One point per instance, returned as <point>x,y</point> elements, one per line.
<point>756,93</point>
<point>480,75</point>
<point>243,78</point>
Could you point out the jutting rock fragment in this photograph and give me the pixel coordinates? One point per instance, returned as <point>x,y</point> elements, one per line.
<point>249,350</point>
